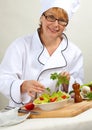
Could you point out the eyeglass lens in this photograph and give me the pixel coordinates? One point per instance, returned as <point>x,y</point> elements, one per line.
<point>51,18</point>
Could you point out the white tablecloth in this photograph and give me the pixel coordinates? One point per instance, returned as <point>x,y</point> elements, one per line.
<point>80,122</point>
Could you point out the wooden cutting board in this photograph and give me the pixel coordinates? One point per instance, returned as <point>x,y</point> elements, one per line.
<point>69,110</point>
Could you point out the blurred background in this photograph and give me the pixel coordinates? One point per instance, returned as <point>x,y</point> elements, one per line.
<point>21,17</point>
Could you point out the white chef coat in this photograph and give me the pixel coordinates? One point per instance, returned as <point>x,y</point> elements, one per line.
<point>27,59</point>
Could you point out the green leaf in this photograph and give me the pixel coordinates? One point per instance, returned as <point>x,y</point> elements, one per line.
<point>48,89</point>
<point>60,79</point>
<point>89,95</point>
<point>54,76</point>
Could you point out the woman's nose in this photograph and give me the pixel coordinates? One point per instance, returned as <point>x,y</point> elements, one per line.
<point>56,23</point>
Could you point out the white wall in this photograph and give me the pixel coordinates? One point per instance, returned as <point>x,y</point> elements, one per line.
<point>20,17</point>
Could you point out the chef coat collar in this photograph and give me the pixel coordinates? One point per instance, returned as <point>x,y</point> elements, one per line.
<point>57,59</point>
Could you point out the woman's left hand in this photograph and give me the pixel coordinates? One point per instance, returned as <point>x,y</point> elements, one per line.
<point>65,86</point>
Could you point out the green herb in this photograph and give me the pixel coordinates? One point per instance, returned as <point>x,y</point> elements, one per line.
<point>48,89</point>
<point>88,84</point>
<point>60,79</point>
<point>89,95</point>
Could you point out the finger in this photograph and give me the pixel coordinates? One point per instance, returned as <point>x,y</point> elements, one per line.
<point>66,74</point>
<point>30,93</point>
<point>63,73</point>
<point>37,89</point>
<point>39,85</point>
<point>68,77</point>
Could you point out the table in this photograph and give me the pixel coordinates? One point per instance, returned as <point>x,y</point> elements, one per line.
<point>80,122</point>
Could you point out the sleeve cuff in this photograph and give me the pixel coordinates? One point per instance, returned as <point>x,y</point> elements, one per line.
<point>16,95</point>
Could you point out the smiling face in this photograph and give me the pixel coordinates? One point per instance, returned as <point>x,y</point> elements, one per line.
<point>52,22</point>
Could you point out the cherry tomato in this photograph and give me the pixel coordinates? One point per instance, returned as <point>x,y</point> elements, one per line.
<point>64,96</point>
<point>53,99</point>
<point>29,106</point>
<point>41,98</point>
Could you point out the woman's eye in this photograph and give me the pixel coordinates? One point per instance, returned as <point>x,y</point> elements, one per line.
<point>52,17</point>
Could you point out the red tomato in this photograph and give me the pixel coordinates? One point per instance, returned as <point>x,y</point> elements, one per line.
<point>53,99</point>
<point>41,98</point>
<point>64,96</point>
<point>29,106</point>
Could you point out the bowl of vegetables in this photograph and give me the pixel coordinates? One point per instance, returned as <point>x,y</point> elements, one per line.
<point>52,101</point>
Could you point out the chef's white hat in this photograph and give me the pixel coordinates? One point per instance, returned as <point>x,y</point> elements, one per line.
<point>70,6</point>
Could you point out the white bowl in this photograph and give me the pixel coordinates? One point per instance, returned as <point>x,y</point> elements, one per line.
<point>53,105</point>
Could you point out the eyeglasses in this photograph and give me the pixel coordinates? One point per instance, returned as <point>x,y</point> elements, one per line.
<point>51,18</point>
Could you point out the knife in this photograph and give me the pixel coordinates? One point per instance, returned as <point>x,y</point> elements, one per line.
<point>27,111</point>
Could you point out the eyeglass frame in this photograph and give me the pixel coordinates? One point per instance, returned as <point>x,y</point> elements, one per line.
<point>63,22</point>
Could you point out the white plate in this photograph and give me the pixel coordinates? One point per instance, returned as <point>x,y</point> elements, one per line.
<point>11,117</point>
<point>53,105</point>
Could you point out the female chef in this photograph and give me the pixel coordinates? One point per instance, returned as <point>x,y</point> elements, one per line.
<point>29,61</point>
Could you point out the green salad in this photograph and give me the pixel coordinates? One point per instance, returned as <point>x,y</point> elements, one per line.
<point>54,97</point>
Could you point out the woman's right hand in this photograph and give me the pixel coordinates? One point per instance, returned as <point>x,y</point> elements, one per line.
<point>32,87</point>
